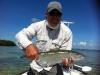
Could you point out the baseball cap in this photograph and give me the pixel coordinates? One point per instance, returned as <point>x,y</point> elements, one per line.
<point>54,5</point>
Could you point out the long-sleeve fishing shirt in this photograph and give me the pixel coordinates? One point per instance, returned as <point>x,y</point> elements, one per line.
<point>46,37</point>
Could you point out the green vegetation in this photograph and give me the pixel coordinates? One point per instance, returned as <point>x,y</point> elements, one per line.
<point>7,43</point>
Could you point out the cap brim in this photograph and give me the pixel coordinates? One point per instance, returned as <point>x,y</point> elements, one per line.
<point>49,10</point>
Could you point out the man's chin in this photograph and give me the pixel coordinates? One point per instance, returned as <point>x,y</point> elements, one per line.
<point>54,24</point>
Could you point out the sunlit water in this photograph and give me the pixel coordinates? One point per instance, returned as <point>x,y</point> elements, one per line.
<point>12,64</point>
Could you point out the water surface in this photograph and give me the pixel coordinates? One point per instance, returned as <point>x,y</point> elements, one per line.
<point>12,64</point>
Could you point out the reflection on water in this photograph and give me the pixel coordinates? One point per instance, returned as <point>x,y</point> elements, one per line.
<point>12,64</point>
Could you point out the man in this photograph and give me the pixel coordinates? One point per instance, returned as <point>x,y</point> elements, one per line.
<point>52,30</point>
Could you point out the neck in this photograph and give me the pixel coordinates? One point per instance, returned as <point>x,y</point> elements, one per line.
<point>53,26</point>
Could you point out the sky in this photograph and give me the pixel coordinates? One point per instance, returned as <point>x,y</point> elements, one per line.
<point>18,14</point>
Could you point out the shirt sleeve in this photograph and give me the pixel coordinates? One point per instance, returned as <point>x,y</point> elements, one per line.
<point>67,43</point>
<point>24,37</point>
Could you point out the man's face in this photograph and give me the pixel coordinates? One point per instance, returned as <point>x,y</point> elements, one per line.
<point>54,17</point>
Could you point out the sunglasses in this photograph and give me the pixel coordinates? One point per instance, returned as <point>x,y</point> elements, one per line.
<point>55,13</point>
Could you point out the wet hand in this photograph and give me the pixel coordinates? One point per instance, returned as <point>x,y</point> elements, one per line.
<point>32,52</point>
<point>68,61</point>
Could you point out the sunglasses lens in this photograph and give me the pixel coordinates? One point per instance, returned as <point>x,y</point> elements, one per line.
<point>55,13</point>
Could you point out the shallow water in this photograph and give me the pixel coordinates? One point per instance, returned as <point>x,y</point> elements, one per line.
<point>12,64</point>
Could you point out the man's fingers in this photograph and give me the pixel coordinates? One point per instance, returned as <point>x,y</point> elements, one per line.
<point>67,61</point>
<point>32,57</point>
<point>71,60</point>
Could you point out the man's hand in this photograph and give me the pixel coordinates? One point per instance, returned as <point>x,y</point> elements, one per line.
<point>68,61</point>
<point>32,52</point>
